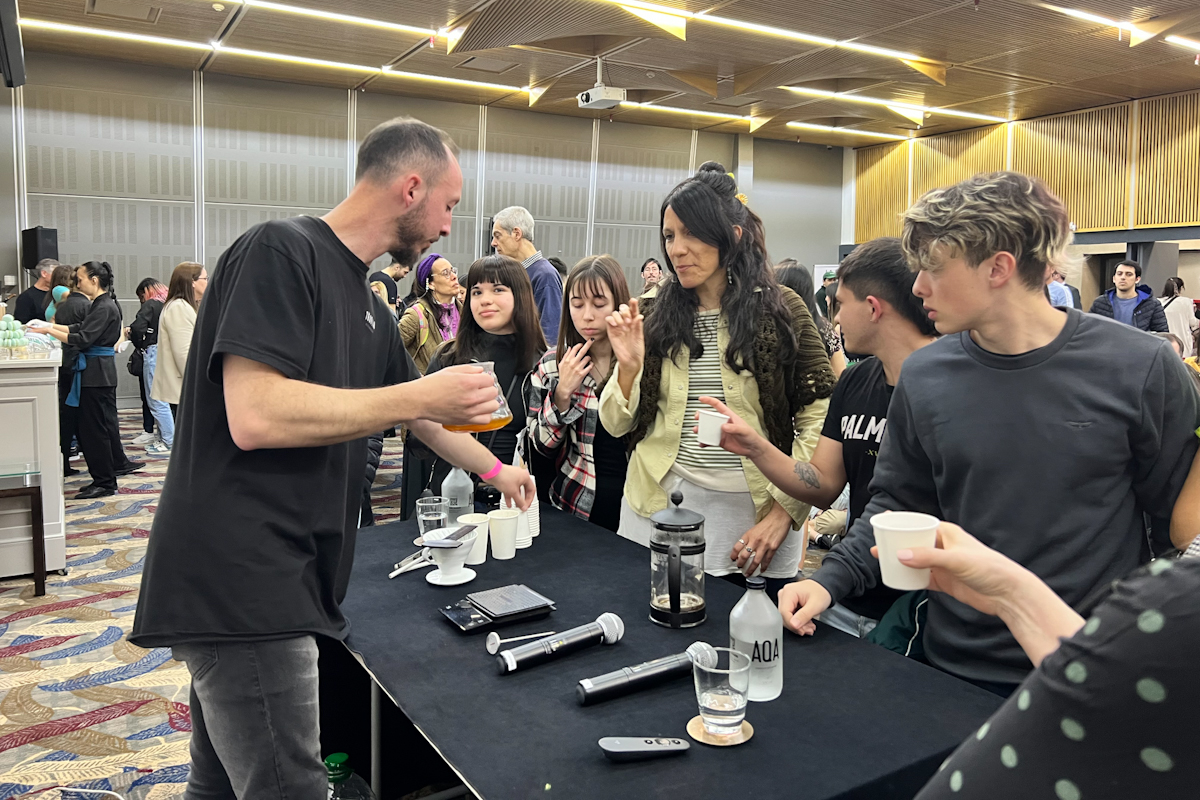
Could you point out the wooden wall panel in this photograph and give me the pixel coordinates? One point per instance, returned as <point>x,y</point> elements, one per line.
<point>881,190</point>
<point>1084,158</point>
<point>952,157</point>
<point>1168,163</point>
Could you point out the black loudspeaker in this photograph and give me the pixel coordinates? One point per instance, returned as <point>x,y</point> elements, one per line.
<point>12,52</point>
<point>38,243</point>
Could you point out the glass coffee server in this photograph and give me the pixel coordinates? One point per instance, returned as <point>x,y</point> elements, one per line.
<point>677,566</point>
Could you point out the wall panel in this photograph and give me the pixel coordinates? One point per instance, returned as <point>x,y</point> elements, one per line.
<point>798,194</point>
<point>1084,159</point>
<point>637,166</point>
<point>880,190</point>
<point>952,157</point>
<point>1168,167</point>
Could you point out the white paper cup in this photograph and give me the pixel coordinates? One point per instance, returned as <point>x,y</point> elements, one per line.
<point>478,553</point>
<point>450,561</point>
<point>524,534</point>
<point>502,530</point>
<point>900,530</point>
<point>710,427</point>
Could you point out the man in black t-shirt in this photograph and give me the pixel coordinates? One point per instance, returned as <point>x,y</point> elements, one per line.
<point>879,317</point>
<point>32,302</point>
<point>294,362</point>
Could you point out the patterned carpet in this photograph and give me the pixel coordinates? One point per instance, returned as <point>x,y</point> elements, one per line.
<point>79,705</point>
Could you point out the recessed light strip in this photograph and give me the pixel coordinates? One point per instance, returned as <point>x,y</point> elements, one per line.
<point>629,104</point>
<point>218,48</point>
<point>1179,41</point>
<point>770,30</point>
<point>1087,16</point>
<point>879,101</point>
<point>811,126</point>
<point>39,24</point>
<point>335,17</point>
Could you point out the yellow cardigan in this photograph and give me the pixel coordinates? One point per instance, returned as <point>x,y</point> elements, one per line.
<point>654,455</point>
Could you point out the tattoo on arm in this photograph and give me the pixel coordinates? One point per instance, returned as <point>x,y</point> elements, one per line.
<point>805,472</point>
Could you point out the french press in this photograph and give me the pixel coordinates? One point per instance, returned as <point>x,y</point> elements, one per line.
<point>677,566</point>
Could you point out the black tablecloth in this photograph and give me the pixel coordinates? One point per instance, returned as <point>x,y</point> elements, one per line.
<point>854,720</point>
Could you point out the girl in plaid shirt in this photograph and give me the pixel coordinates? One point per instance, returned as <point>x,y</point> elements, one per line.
<point>563,397</point>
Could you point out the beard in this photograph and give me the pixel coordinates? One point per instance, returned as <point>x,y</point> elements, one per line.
<point>411,238</point>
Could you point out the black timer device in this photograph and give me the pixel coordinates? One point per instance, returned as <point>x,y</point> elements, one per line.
<point>493,608</point>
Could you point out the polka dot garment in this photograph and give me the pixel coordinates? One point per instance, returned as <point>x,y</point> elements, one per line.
<point>1113,714</point>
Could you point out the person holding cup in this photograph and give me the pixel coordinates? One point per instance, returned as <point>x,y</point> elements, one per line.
<point>563,398</point>
<point>1109,708</point>
<point>721,328</point>
<point>880,318</point>
<point>1014,425</point>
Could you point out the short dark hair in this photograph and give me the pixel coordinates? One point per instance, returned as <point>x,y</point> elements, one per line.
<point>1137,268</point>
<point>404,143</point>
<point>649,261</point>
<point>558,264</point>
<point>880,268</point>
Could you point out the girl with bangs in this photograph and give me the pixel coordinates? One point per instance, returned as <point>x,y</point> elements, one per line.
<point>563,398</point>
<point>499,324</point>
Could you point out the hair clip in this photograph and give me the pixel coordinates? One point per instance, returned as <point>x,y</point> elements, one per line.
<point>745,200</point>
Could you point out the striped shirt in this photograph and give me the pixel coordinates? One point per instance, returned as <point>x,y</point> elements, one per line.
<point>704,380</point>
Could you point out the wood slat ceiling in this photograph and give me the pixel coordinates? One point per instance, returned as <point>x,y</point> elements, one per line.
<point>1009,58</point>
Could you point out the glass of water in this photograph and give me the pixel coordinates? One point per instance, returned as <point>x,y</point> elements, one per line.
<point>432,513</point>
<point>721,691</point>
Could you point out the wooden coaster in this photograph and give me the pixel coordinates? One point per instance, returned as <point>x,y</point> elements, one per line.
<point>697,731</point>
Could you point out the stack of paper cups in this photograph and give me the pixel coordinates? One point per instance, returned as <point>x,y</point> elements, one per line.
<point>535,513</point>
<point>524,535</point>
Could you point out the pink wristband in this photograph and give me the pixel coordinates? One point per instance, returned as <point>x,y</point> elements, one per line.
<point>493,472</point>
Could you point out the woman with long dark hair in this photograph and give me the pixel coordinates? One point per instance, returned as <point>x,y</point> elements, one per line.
<point>175,327</point>
<point>722,328</point>
<point>563,397</point>
<point>433,318</point>
<point>500,325</point>
<point>1181,314</point>
<point>797,277</point>
<point>94,385</point>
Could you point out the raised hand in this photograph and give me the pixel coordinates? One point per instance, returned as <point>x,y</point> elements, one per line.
<point>572,366</point>
<point>625,334</point>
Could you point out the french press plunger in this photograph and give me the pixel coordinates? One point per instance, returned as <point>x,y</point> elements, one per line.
<point>677,566</point>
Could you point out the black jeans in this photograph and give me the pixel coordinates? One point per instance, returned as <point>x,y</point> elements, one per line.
<point>256,727</point>
<point>147,414</point>
<point>98,434</point>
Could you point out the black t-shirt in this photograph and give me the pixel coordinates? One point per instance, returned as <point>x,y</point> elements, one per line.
<point>258,545</point>
<point>1110,715</point>
<point>609,453</point>
<point>857,418</point>
<point>30,304</point>
<point>388,281</point>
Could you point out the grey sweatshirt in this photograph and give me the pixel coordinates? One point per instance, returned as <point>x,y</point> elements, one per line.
<point>1049,457</point>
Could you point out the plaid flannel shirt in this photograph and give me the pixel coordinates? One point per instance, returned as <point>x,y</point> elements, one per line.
<point>567,439</point>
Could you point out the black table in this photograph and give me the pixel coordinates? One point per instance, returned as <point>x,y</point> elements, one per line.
<point>855,720</point>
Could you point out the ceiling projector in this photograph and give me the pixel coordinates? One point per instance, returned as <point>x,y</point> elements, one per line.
<point>601,96</point>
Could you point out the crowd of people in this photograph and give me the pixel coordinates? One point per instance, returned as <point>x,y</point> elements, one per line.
<point>949,371</point>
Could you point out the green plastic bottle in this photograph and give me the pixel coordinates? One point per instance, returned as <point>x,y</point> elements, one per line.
<point>344,783</point>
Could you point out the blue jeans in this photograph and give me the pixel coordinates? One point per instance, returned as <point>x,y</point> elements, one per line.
<point>160,410</point>
<point>255,720</point>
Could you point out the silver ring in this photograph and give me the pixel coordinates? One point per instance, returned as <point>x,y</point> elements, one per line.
<point>751,552</point>
<point>741,541</point>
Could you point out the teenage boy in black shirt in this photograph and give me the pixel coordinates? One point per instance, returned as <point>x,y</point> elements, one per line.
<point>289,372</point>
<point>879,316</point>
<point>1014,424</point>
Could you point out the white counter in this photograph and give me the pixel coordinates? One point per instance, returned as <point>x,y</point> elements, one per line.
<point>29,434</point>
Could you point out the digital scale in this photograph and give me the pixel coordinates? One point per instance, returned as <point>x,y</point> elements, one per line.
<point>505,605</point>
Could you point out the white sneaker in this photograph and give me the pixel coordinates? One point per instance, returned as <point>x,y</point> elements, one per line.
<point>143,438</point>
<point>158,448</point>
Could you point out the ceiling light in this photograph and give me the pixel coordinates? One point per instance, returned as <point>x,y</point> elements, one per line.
<point>713,114</point>
<point>1190,44</point>
<point>312,62</point>
<point>38,24</point>
<point>453,81</point>
<point>769,30</point>
<point>878,101</point>
<point>812,126</point>
<point>335,17</point>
